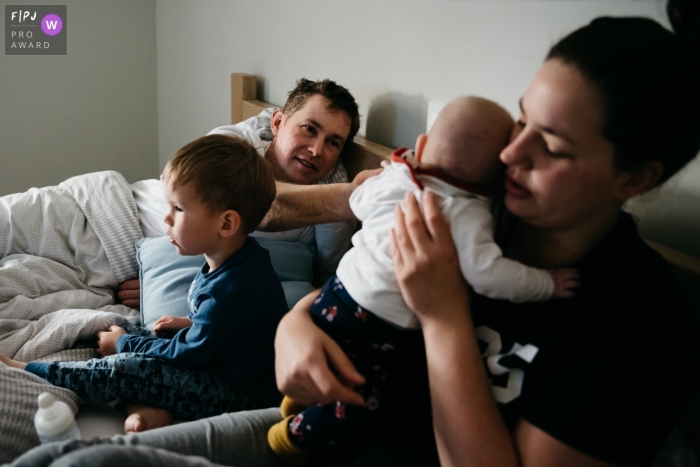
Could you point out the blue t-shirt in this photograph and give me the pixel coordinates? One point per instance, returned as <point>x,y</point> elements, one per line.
<point>234,311</point>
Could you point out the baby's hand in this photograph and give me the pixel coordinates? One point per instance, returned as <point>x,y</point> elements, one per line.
<point>171,324</point>
<point>566,281</point>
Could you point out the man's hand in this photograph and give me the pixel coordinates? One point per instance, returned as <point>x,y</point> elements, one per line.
<point>170,324</point>
<point>107,341</point>
<point>129,294</point>
<point>364,175</point>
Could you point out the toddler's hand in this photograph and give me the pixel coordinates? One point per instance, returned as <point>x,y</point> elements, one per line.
<point>566,281</point>
<point>171,324</point>
<point>107,341</point>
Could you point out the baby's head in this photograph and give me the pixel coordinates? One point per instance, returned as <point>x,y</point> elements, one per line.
<point>466,141</point>
<point>226,174</point>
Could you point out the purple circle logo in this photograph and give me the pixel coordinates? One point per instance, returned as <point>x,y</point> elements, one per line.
<point>51,24</point>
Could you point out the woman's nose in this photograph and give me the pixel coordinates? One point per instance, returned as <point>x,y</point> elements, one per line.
<point>517,151</point>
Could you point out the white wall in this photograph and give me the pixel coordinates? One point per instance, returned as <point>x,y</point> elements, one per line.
<point>96,108</point>
<point>93,109</point>
<point>394,55</point>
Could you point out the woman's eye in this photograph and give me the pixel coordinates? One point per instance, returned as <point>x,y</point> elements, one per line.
<point>310,129</point>
<point>177,208</point>
<point>554,154</point>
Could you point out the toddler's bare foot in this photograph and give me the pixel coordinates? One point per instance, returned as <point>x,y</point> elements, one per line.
<point>13,363</point>
<point>144,417</point>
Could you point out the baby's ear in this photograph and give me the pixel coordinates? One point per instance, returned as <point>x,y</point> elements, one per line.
<point>420,145</point>
<point>230,223</point>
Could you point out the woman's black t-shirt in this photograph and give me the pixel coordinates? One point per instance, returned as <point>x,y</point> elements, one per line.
<point>606,372</point>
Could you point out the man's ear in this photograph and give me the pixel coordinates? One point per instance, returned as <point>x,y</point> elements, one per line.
<point>277,116</point>
<point>639,180</point>
<point>230,223</point>
<point>420,145</point>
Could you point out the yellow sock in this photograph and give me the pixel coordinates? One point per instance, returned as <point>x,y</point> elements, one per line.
<point>289,407</point>
<point>281,444</point>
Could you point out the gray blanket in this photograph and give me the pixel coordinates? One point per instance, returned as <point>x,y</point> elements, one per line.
<point>63,251</point>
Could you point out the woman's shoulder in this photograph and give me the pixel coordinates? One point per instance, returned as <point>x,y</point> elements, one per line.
<point>624,267</point>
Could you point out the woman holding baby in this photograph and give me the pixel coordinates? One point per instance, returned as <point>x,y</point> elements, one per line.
<point>612,113</point>
<point>592,381</point>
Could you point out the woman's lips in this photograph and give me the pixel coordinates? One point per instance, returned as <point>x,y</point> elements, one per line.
<point>515,189</point>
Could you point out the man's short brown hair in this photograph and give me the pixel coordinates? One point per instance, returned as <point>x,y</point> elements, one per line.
<point>227,173</point>
<point>339,97</point>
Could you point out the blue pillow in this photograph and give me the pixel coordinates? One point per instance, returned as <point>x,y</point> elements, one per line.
<point>293,261</point>
<point>166,275</point>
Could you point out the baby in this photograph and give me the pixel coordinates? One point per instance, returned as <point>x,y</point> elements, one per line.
<point>221,358</point>
<point>362,307</point>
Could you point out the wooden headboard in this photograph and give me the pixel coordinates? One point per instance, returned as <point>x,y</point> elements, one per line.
<point>363,154</point>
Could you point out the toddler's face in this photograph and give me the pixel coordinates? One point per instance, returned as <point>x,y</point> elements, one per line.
<point>192,229</point>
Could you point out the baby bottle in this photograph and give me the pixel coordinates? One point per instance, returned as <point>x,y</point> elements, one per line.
<point>54,420</point>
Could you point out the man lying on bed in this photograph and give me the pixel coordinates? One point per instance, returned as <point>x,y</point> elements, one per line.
<point>303,142</point>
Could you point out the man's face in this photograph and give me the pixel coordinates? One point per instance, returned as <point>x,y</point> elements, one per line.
<point>308,142</point>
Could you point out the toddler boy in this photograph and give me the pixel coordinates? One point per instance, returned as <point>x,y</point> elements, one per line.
<point>362,307</point>
<point>221,357</point>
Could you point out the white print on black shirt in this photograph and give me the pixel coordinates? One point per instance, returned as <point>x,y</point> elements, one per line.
<point>510,363</point>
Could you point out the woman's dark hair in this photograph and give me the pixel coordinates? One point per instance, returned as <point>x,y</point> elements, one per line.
<point>649,81</point>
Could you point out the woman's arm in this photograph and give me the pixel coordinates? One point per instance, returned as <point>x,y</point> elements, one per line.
<point>310,367</point>
<point>468,427</point>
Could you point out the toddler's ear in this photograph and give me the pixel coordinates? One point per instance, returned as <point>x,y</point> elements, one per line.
<point>230,223</point>
<point>420,145</point>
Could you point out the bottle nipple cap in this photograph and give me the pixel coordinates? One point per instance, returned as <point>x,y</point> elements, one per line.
<point>46,400</point>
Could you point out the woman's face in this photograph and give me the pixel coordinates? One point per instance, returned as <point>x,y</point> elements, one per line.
<point>560,171</point>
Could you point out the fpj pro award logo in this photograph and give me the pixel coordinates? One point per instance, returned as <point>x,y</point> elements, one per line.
<point>36,29</point>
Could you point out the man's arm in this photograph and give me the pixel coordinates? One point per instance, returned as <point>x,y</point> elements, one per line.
<point>298,206</point>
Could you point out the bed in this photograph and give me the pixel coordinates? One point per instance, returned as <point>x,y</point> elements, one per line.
<point>66,324</point>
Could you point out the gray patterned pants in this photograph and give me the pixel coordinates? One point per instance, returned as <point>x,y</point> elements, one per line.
<point>187,394</point>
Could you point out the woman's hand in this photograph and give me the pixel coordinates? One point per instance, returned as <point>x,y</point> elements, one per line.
<point>310,367</point>
<point>426,262</point>
<point>129,294</point>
